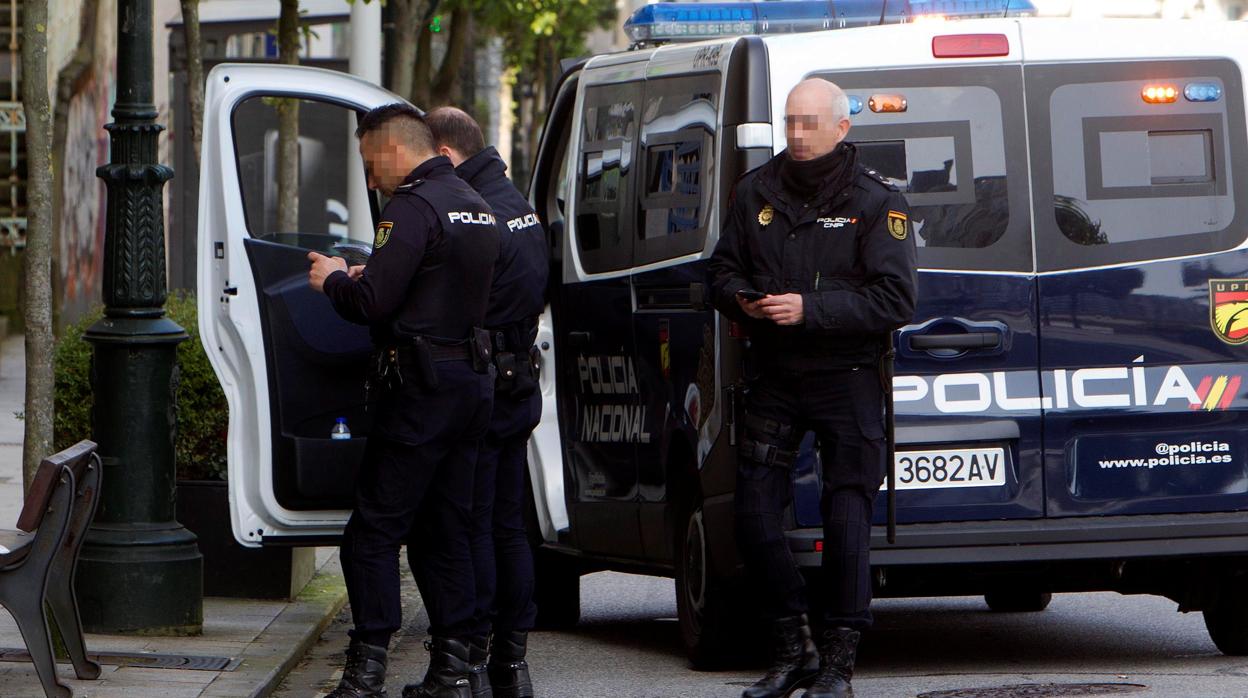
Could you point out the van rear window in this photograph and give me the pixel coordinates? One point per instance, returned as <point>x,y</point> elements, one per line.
<point>1122,179</point>
<point>951,152</point>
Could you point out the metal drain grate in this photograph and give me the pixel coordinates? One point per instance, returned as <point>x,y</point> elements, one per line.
<point>1039,690</point>
<point>142,659</point>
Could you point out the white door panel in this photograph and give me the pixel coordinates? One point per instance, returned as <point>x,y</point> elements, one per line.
<point>545,447</point>
<point>229,312</point>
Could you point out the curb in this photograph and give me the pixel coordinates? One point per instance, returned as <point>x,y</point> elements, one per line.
<point>282,645</point>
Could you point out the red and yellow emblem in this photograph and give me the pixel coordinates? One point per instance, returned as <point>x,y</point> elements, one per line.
<point>1228,309</point>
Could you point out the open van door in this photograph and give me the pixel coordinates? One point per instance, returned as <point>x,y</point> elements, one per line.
<point>289,365</point>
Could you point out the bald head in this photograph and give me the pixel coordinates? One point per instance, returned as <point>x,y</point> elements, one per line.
<point>816,118</point>
<point>456,134</point>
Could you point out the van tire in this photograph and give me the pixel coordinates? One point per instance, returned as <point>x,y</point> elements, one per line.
<point>707,606</point>
<point>1226,618</point>
<point>1017,600</point>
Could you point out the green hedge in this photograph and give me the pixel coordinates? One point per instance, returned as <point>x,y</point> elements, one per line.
<point>203,416</point>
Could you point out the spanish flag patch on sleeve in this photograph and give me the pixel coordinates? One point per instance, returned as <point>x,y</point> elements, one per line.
<point>383,235</point>
<point>897,224</point>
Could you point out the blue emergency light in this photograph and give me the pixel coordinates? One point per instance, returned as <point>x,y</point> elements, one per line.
<point>681,21</point>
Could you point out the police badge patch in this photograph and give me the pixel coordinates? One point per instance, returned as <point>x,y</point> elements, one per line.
<point>897,224</point>
<point>766,215</point>
<point>1228,309</point>
<point>383,235</point>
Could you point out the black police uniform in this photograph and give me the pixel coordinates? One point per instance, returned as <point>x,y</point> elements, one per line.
<point>501,553</point>
<point>848,251</point>
<point>423,292</point>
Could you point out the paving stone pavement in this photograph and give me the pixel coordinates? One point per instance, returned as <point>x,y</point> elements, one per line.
<point>266,638</point>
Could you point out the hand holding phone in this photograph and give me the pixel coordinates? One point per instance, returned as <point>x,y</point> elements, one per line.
<point>750,295</point>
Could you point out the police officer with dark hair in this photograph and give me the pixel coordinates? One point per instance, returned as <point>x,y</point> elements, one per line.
<point>423,294</point>
<point>500,548</point>
<point>816,260</point>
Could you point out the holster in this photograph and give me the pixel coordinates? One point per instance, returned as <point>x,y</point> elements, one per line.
<point>482,351</point>
<point>518,367</point>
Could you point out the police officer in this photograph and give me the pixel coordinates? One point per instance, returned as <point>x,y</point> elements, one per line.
<point>816,260</point>
<point>423,293</point>
<point>501,554</point>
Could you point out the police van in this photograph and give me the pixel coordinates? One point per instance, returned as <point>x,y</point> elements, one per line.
<point>1071,407</point>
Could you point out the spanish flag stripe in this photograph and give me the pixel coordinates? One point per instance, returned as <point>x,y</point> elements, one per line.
<point>1229,297</point>
<point>1238,334</point>
<point>1202,391</point>
<point>1216,394</point>
<point>1232,389</point>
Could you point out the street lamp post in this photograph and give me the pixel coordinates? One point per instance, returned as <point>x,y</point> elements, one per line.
<point>140,570</point>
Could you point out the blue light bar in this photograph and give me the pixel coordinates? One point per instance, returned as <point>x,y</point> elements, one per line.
<point>1203,92</point>
<point>680,21</point>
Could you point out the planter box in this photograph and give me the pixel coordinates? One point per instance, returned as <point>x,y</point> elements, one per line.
<point>229,568</point>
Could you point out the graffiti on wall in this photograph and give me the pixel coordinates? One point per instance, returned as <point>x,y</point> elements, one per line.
<point>81,239</point>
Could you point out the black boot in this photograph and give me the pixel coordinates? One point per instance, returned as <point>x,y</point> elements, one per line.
<point>793,659</point>
<point>478,679</point>
<point>448,671</point>
<point>837,648</point>
<point>365,673</point>
<point>509,673</point>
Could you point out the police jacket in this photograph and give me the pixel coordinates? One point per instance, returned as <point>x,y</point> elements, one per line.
<point>433,259</point>
<point>518,295</point>
<point>848,251</point>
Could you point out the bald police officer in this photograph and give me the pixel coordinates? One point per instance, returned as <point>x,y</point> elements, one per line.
<point>500,546</point>
<point>423,293</point>
<point>816,260</point>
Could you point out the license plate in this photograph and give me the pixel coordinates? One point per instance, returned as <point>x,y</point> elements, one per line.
<point>966,467</point>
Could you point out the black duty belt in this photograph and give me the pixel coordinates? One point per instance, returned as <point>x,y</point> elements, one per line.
<point>453,352</point>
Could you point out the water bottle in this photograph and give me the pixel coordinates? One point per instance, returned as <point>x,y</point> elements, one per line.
<point>340,430</point>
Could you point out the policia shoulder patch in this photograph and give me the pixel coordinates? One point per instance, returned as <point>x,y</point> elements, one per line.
<point>897,224</point>
<point>383,235</point>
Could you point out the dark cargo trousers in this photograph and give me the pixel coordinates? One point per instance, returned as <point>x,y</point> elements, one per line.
<point>421,481</point>
<point>845,410</point>
<point>502,556</point>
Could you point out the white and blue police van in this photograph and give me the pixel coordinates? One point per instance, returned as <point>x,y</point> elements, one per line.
<point>1071,403</point>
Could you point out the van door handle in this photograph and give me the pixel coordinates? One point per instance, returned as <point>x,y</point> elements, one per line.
<point>580,340</point>
<point>962,341</point>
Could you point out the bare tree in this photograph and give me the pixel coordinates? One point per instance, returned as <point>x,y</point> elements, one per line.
<point>37,262</point>
<point>446,86</point>
<point>194,72</point>
<point>407,20</point>
<point>288,45</point>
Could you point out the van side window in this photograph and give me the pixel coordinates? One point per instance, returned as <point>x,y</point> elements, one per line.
<point>604,193</point>
<point>1122,179</point>
<point>325,145</point>
<point>678,153</point>
<point>955,151</point>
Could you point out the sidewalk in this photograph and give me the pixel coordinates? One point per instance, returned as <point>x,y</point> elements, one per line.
<point>246,649</point>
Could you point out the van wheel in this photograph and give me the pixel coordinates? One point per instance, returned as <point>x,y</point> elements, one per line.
<point>1017,600</point>
<point>710,622</point>
<point>1227,619</point>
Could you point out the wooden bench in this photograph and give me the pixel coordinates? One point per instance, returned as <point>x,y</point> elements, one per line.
<point>39,559</point>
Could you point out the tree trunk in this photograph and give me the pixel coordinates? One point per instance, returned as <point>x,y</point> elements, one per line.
<point>37,262</point>
<point>194,73</point>
<point>288,44</point>
<point>406,19</point>
<point>446,87</point>
<point>422,71</point>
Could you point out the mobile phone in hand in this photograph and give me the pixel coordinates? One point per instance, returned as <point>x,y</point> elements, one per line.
<point>750,295</point>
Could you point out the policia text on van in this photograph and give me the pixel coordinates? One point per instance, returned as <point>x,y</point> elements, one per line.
<point>1078,199</point>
